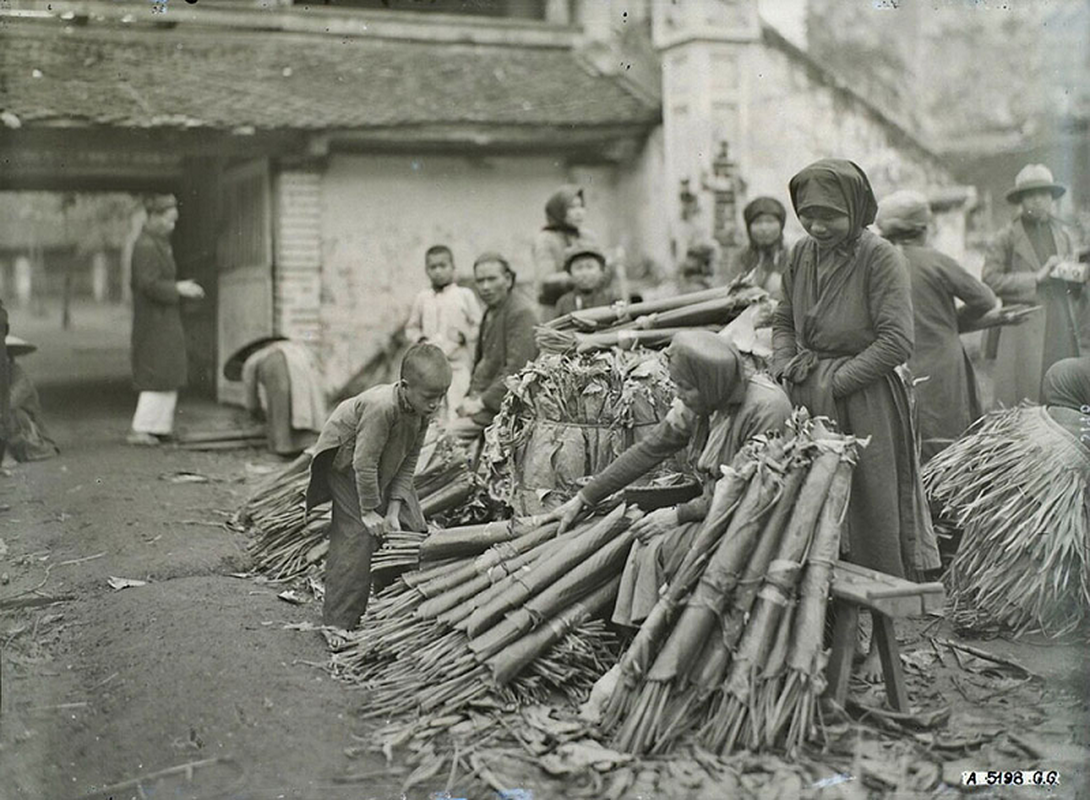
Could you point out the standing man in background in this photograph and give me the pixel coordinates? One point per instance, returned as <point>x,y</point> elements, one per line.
<point>448,316</point>
<point>158,341</point>
<point>505,345</point>
<point>1019,267</point>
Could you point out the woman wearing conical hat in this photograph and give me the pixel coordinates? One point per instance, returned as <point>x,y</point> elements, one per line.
<point>1020,267</point>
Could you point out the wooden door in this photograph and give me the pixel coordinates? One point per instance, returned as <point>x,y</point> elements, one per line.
<point>245,280</point>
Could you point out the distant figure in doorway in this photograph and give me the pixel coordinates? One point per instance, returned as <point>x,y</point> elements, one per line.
<point>946,394</point>
<point>448,316</point>
<point>1019,266</point>
<point>28,439</point>
<point>564,229</point>
<point>762,261</point>
<point>587,266</point>
<point>506,344</point>
<point>282,382</point>
<point>158,341</point>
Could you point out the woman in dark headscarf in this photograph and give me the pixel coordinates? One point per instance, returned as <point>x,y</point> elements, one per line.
<point>719,407</point>
<point>1066,395</point>
<point>762,262</point>
<point>564,214</point>
<point>842,330</point>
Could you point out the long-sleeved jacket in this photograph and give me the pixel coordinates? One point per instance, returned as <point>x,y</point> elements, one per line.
<point>158,340</point>
<point>449,318</point>
<point>1024,353</point>
<point>379,436</point>
<point>505,346</point>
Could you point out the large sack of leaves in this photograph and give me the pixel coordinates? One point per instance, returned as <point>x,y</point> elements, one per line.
<point>569,416</point>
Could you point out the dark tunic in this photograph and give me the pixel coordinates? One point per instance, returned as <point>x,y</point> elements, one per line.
<point>158,340</point>
<point>577,301</point>
<point>764,408</point>
<point>838,336</point>
<point>505,346</point>
<point>1024,352</point>
<point>947,400</point>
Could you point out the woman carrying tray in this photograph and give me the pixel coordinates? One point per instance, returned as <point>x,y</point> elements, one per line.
<point>719,407</point>
<point>840,333</point>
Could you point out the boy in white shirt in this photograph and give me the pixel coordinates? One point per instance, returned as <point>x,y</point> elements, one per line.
<point>448,316</point>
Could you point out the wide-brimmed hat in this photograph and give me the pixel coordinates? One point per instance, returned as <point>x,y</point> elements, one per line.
<point>17,346</point>
<point>1031,178</point>
<point>232,370</point>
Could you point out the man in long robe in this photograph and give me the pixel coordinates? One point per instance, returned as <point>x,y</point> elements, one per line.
<point>1019,267</point>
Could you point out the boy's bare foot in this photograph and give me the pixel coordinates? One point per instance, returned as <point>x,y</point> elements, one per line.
<point>870,671</point>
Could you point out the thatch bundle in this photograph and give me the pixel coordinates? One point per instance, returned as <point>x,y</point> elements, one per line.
<point>514,623</point>
<point>732,652</point>
<point>565,417</point>
<point>1018,487</point>
<point>286,544</point>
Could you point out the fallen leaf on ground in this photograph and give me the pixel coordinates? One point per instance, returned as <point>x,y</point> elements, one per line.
<point>291,596</point>
<point>184,477</point>
<point>117,584</point>
<point>574,757</point>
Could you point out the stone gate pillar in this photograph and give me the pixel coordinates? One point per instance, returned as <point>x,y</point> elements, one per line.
<point>705,47</point>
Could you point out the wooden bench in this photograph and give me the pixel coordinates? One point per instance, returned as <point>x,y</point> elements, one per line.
<point>887,598</point>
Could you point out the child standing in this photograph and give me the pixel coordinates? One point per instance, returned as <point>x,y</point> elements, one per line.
<point>364,461</point>
<point>587,267</point>
<point>448,316</point>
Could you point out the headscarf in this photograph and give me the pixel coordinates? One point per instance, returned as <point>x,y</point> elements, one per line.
<point>556,210</point>
<point>764,205</point>
<point>903,213</point>
<point>753,256</point>
<point>708,362</point>
<point>837,184</point>
<point>1067,383</point>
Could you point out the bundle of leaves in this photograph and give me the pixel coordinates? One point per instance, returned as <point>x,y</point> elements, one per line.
<point>566,417</point>
<point>287,544</point>
<point>1017,485</point>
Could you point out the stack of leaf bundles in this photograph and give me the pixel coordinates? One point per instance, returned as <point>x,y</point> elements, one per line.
<point>285,545</point>
<point>1018,487</point>
<point>732,654</point>
<point>648,324</point>
<point>566,417</point>
<point>517,622</point>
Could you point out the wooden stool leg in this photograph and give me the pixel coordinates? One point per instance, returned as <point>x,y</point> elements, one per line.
<point>845,633</point>
<point>886,640</point>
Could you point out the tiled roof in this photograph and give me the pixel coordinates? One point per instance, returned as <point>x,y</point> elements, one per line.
<point>151,77</point>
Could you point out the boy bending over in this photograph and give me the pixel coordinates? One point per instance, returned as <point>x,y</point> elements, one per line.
<point>364,461</point>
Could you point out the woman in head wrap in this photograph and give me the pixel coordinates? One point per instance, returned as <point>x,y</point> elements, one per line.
<point>1066,395</point>
<point>947,399</point>
<point>762,262</point>
<point>719,407</point>
<point>564,214</point>
<point>840,333</point>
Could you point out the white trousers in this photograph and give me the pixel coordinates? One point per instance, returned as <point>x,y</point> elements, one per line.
<point>155,413</point>
<point>459,388</point>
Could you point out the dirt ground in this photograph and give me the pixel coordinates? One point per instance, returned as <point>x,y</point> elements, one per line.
<point>107,686</point>
<point>110,685</point>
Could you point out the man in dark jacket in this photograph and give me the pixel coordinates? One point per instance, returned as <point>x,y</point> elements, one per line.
<point>504,347</point>
<point>158,341</point>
